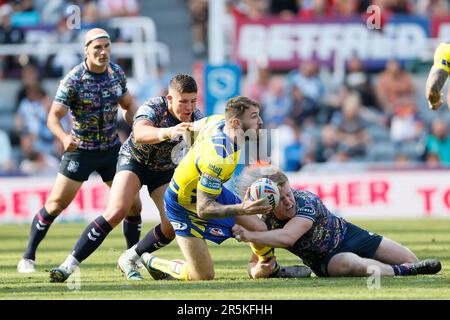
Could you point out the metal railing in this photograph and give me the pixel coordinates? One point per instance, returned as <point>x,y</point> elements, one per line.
<point>143,49</point>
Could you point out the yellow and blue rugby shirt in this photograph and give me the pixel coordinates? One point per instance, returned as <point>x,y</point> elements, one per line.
<point>442,57</point>
<point>210,162</point>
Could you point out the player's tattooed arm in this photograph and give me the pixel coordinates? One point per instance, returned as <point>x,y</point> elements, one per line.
<point>433,87</point>
<point>209,208</point>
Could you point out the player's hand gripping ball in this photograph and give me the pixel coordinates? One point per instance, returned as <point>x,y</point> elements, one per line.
<point>265,188</point>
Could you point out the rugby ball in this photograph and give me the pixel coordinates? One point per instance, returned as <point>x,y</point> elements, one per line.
<point>265,188</point>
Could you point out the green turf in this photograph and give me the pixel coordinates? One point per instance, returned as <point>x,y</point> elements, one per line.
<point>100,280</point>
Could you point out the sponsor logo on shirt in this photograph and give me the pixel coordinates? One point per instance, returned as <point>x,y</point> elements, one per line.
<point>307,210</point>
<point>214,169</point>
<point>210,182</point>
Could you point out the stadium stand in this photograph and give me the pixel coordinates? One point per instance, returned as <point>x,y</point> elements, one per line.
<point>168,36</point>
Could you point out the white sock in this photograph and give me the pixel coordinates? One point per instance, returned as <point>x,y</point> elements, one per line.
<point>70,263</point>
<point>132,255</point>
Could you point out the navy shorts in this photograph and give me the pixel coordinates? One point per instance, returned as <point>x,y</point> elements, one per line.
<point>79,164</point>
<point>188,224</point>
<point>150,178</point>
<point>356,240</point>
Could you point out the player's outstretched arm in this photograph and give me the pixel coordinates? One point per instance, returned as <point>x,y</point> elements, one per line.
<point>278,238</point>
<point>209,208</point>
<point>435,82</point>
<point>145,132</point>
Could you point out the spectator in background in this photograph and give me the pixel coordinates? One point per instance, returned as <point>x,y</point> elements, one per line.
<point>117,8</point>
<point>345,8</point>
<point>438,142</point>
<point>315,9</point>
<point>357,79</point>
<point>304,109</point>
<point>6,163</point>
<point>199,16</point>
<point>39,164</point>
<point>432,160</point>
<point>31,122</point>
<point>255,88</point>
<point>433,8</point>
<point>352,135</point>
<point>405,124</point>
<point>30,79</point>
<point>90,13</point>
<point>108,9</point>
<point>253,9</point>
<point>285,9</point>
<point>275,103</point>
<point>154,85</point>
<point>9,65</point>
<point>393,85</point>
<point>294,153</point>
<point>328,144</point>
<point>306,78</point>
<point>395,6</point>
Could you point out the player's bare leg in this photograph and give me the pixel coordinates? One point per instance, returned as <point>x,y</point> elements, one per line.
<point>158,198</point>
<point>155,239</point>
<point>62,194</point>
<point>132,223</point>
<point>124,188</point>
<point>122,196</point>
<point>348,264</point>
<point>197,266</point>
<point>391,252</point>
<point>351,265</point>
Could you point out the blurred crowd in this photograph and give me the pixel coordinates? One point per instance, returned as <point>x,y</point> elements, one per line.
<point>372,116</point>
<point>369,117</point>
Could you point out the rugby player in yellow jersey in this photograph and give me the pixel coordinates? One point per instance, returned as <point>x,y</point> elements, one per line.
<point>197,204</point>
<point>437,76</point>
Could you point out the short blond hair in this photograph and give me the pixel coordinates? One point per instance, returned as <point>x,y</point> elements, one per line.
<point>252,173</point>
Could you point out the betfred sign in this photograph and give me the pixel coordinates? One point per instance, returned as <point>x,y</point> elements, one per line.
<point>381,194</point>
<point>286,43</point>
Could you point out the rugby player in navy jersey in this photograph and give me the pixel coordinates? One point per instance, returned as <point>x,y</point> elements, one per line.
<point>328,244</point>
<point>148,157</point>
<point>91,92</point>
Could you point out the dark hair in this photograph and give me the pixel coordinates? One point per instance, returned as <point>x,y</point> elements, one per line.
<point>183,83</point>
<point>236,106</point>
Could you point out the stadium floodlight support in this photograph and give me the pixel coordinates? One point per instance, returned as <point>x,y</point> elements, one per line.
<point>216,32</point>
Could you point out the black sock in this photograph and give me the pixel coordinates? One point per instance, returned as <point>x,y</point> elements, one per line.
<point>152,241</point>
<point>132,230</point>
<point>402,270</point>
<point>39,227</point>
<point>91,238</point>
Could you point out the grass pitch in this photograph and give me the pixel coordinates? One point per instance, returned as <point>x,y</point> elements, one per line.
<point>99,278</point>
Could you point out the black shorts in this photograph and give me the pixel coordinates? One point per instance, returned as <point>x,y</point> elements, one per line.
<point>79,164</point>
<point>356,240</point>
<point>151,178</point>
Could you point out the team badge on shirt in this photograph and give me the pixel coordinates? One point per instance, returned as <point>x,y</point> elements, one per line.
<point>73,166</point>
<point>178,225</point>
<point>217,232</point>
